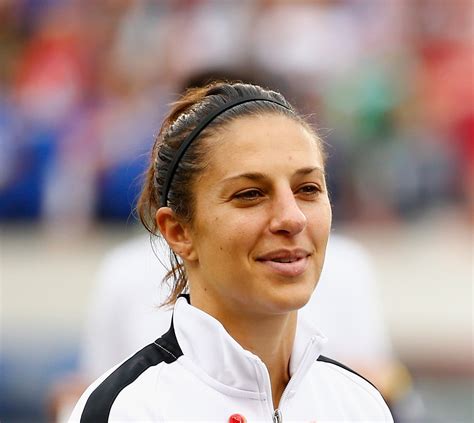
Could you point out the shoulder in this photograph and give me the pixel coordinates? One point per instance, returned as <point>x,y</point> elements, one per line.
<point>134,376</point>
<point>328,360</point>
<point>356,388</point>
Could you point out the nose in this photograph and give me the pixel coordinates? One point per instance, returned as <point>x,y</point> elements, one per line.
<point>287,216</point>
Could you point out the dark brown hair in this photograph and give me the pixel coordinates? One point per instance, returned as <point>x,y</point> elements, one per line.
<point>186,114</point>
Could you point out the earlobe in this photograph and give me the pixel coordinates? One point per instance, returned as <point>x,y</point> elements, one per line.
<point>175,233</point>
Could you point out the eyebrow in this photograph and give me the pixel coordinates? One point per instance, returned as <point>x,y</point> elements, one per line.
<point>258,176</point>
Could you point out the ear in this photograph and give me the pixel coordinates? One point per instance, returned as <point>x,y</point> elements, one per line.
<point>176,234</point>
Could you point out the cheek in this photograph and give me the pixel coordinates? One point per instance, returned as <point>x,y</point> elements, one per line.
<point>222,234</point>
<point>233,236</point>
<point>321,220</point>
<point>329,214</point>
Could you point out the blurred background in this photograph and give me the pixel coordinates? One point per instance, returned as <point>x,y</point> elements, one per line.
<point>84,86</point>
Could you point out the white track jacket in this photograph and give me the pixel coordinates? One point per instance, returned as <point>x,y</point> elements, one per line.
<point>198,372</point>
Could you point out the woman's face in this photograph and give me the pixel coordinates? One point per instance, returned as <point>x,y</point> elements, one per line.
<point>262,219</point>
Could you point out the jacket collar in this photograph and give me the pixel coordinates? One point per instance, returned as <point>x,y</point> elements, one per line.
<point>204,341</point>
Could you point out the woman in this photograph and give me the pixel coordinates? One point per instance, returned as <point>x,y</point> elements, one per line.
<point>236,187</point>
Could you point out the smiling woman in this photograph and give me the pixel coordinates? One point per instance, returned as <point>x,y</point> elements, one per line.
<point>261,224</point>
<point>236,187</point>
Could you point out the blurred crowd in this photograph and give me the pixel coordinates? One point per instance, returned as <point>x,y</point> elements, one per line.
<point>84,86</point>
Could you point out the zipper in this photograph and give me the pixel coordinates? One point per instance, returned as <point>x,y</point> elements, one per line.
<point>261,368</point>
<point>277,417</point>
<point>277,414</point>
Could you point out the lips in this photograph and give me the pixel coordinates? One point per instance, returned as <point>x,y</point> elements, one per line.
<point>286,262</point>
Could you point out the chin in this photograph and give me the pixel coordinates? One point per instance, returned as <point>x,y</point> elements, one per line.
<point>292,300</point>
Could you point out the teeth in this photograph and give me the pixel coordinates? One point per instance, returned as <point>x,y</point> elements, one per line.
<point>285,260</point>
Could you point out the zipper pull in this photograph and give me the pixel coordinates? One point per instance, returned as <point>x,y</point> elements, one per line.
<point>277,417</point>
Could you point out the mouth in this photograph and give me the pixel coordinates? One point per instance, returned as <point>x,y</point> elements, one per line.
<point>286,262</point>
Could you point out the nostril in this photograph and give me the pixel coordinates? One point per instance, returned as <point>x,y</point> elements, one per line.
<point>287,218</point>
<point>288,226</point>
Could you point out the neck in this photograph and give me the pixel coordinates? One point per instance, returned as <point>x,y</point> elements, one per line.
<point>270,338</point>
<point>272,341</point>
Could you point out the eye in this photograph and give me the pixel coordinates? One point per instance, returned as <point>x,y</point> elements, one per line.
<point>309,190</point>
<point>249,195</point>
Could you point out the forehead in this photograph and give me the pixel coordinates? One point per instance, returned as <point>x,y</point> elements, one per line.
<point>265,141</point>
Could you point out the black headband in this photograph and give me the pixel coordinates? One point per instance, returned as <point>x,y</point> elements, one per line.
<point>187,142</point>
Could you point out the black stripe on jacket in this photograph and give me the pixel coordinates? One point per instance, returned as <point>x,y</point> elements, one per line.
<point>100,401</point>
<point>336,363</point>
